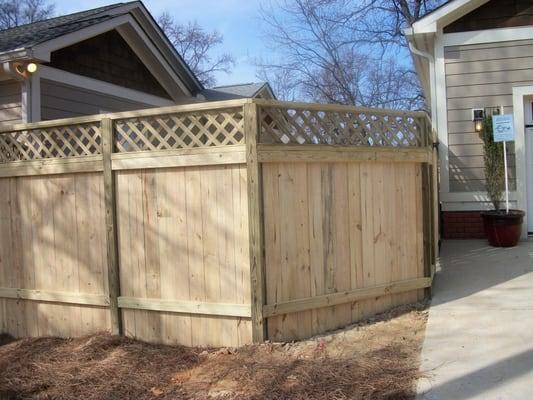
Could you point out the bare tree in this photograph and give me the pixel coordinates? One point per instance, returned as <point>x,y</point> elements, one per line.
<point>196,45</point>
<point>344,51</point>
<point>18,12</point>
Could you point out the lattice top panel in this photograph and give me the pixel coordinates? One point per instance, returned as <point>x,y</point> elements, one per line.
<point>352,128</point>
<point>55,142</point>
<point>180,131</point>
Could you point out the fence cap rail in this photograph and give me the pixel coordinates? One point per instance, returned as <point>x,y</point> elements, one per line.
<point>338,107</point>
<point>182,108</point>
<point>207,106</point>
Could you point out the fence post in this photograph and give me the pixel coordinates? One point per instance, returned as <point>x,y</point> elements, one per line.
<point>435,197</point>
<point>110,222</point>
<point>431,203</point>
<point>255,221</point>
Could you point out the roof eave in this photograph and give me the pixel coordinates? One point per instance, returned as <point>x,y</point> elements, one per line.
<point>17,54</point>
<point>442,16</point>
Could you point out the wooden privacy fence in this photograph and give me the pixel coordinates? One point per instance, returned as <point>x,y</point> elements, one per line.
<point>214,224</point>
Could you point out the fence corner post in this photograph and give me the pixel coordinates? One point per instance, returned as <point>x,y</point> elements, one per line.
<point>430,194</point>
<point>255,221</point>
<point>111,229</point>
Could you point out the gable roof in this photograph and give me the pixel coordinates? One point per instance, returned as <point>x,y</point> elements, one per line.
<point>244,90</point>
<point>38,39</point>
<point>26,36</point>
<point>443,15</point>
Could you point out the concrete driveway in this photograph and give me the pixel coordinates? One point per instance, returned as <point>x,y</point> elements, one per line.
<point>479,338</point>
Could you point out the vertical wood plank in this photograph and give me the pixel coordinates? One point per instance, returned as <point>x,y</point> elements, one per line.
<point>111,231</point>
<point>273,278</point>
<point>356,237</point>
<point>255,221</point>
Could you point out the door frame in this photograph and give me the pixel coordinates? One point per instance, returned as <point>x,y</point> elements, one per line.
<point>519,93</point>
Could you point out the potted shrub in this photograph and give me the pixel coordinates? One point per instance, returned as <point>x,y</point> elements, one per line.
<point>502,229</point>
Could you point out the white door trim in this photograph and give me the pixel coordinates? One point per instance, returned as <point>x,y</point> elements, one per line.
<point>519,92</point>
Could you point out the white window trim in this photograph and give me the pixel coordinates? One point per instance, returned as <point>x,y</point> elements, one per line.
<point>95,85</point>
<point>488,36</point>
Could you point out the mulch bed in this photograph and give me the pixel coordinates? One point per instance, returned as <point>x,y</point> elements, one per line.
<point>374,360</point>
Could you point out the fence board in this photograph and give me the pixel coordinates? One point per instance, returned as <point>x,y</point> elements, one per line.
<point>330,228</point>
<point>49,245</point>
<point>225,212</point>
<point>178,223</point>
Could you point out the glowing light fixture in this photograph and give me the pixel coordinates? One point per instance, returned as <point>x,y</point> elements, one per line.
<point>24,69</point>
<point>31,68</point>
<point>478,114</point>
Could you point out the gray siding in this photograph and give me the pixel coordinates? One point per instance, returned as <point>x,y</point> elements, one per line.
<point>480,76</point>
<point>10,102</point>
<point>62,101</point>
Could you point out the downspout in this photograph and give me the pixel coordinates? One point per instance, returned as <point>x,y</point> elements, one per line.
<point>420,52</point>
<point>433,79</point>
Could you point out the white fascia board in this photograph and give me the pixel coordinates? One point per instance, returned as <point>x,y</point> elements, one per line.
<point>488,36</point>
<point>445,15</point>
<point>95,85</point>
<point>18,54</point>
<point>153,60</point>
<point>164,44</point>
<point>146,21</point>
<point>43,51</point>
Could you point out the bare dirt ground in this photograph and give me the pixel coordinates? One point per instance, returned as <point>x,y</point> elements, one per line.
<point>378,359</point>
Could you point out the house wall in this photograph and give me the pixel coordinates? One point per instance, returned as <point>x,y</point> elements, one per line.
<point>63,101</point>
<point>10,102</point>
<point>107,57</point>
<point>480,76</point>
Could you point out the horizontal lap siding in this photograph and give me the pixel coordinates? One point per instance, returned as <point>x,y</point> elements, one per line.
<point>62,101</point>
<point>10,102</point>
<point>183,235</point>
<point>480,76</point>
<point>332,227</point>
<point>53,239</point>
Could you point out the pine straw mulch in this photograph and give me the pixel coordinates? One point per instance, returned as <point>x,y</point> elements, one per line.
<point>378,359</point>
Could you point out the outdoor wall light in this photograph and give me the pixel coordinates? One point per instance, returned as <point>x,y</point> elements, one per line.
<point>31,68</point>
<point>478,114</point>
<point>24,69</point>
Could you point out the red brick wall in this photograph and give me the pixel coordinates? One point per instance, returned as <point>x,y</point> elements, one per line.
<point>462,225</point>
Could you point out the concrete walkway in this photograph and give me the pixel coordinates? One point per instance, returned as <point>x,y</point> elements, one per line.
<point>479,338</point>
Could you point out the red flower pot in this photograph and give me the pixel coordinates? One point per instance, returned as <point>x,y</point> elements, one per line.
<point>503,229</point>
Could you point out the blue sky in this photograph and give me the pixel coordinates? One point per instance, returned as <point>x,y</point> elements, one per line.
<point>237,20</point>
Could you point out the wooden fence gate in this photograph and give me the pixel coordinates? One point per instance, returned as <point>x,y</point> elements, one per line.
<point>219,223</point>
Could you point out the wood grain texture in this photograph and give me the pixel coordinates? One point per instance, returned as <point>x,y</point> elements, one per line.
<point>183,236</point>
<point>255,221</point>
<point>333,228</point>
<point>52,255</point>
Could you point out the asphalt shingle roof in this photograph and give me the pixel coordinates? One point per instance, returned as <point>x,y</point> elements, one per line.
<point>26,36</point>
<point>245,90</point>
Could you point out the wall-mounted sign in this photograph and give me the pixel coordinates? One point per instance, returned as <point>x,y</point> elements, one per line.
<point>503,127</point>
